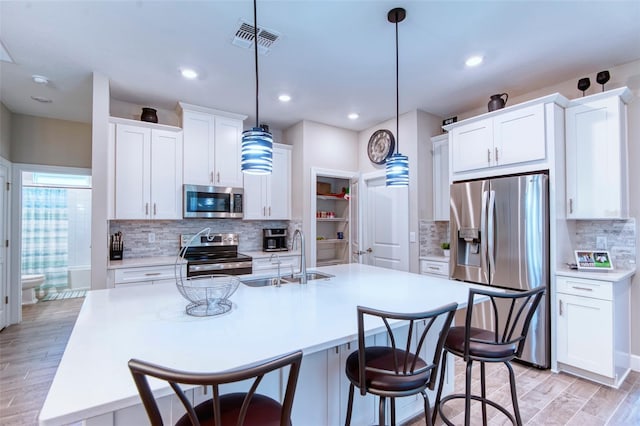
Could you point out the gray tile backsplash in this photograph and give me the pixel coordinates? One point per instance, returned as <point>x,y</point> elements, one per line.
<point>432,233</point>
<point>135,234</point>
<point>620,235</point>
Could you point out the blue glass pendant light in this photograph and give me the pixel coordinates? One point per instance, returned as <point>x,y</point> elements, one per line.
<point>397,165</point>
<point>257,144</point>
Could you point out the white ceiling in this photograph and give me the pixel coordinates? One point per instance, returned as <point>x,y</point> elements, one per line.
<point>334,57</point>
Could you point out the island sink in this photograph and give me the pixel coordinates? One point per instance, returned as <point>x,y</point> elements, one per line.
<point>295,279</point>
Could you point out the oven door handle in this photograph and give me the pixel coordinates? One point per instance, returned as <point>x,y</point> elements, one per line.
<point>219,266</point>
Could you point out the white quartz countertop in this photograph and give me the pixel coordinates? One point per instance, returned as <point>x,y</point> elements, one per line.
<point>150,323</point>
<point>615,275</point>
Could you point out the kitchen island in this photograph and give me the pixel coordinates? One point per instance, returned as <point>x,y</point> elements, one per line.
<point>93,384</point>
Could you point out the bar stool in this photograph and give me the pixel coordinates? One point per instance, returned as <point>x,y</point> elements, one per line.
<point>398,370</point>
<point>512,313</point>
<point>248,409</point>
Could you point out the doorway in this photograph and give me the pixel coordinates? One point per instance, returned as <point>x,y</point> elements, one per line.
<point>385,227</point>
<point>53,227</point>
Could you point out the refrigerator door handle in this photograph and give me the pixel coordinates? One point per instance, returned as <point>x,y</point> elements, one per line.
<point>483,237</point>
<point>491,220</point>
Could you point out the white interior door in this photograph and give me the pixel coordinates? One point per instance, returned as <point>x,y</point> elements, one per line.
<point>3,248</point>
<point>387,225</point>
<point>354,222</point>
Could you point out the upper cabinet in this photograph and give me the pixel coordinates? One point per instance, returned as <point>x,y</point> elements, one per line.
<point>212,146</point>
<point>269,196</point>
<point>510,140</point>
<point>596,156</point>
<point>147,170</point>
<point>440,150</point>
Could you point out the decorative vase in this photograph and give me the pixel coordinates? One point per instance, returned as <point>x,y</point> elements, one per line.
<point>496,101</point>
<point>446,252</point>
<point>149,115</point>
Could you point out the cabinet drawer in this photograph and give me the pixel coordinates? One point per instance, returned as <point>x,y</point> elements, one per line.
<point>586,288</point>
<point>434,268</point>
<point>145,273</point>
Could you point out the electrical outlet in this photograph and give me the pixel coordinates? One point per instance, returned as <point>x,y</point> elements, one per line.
<point>601,243</point>
<point>152,237</point>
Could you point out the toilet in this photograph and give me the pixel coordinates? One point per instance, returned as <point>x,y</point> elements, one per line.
<point>29,285</point>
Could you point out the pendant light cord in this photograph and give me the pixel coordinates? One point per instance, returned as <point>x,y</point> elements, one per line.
<point>397,93</point>
<point>255,44</point>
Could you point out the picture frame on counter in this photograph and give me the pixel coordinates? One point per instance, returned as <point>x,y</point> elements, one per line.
<point>593,260</point>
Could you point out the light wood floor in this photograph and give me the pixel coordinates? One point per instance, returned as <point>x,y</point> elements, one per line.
<point>30,353</point>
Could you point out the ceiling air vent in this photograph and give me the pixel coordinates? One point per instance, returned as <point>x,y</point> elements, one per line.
<point>244,38</point>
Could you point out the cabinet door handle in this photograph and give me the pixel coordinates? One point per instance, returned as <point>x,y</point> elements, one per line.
<point>570,205</point>
<point>155,209</point>
<point>337,350</point>
<point>488,156</point>
<point>264,211</point>
<point>349,346</point>
<point>560,306</point>
<point>581,288</point>
<point>211,177</point>
<point>151,274</point>
<point>146,208</point>
<point>218,177</point>
<point>496,155</point>
<point>269,211</point>
<point>434,268</point>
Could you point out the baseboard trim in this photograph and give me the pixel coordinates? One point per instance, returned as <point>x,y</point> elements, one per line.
<point>635,362</point>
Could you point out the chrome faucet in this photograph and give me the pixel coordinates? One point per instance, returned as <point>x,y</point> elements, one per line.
<point>277,262</point>
<point>303,260</point>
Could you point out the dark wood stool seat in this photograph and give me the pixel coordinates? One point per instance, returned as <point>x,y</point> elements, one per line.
<point>511,316</point>
<point>234,409</point>
<point>399,369</point>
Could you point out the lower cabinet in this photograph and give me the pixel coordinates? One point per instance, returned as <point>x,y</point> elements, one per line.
<point>593,333</point>
<point>142,275</point>
<point>436,267</point>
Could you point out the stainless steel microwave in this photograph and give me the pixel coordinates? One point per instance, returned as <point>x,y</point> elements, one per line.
<point>214,202</point>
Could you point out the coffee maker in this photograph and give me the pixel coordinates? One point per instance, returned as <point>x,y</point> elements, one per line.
<point>275,239</point>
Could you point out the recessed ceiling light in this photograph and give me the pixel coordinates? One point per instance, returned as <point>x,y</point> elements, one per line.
<point>353,116</point>
<point>40,79</point>
<point>284,98</point>
<point>188,73</point>
<point>474,61</point>
<point>42,99</point>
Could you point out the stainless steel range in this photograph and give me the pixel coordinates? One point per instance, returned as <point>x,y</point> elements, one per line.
<point>215,254</point>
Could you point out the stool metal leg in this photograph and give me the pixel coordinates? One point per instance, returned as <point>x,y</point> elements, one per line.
<point>381,412</point>
<point>436,405</point>
<point>483,393</point>
<point>467,398</point>
<point>427,409</point>
<point>393,411</point>
<point>347,422</point>
<point>514,395</point>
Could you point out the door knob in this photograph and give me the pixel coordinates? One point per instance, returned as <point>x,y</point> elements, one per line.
<point>361,252</point>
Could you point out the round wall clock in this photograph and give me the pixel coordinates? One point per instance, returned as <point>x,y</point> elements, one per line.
<point>381,145</point>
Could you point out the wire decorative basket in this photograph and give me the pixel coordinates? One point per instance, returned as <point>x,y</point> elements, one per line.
<point>209,295</point>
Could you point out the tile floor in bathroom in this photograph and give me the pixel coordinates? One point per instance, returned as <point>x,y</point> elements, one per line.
<point>30,353</point>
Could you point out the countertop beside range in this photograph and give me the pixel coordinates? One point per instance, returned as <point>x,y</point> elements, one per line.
<point>615,275</point>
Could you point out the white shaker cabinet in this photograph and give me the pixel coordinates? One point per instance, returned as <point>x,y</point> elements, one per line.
<point>212,146</point>
<point>593,331</point>
<point>147,171</point>
<point>516,139</point>
<point>440,150</point>
<point>596,156</point>
<point>269,196</point>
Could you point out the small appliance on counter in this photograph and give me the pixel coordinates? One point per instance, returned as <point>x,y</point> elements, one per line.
<point>275,239</point>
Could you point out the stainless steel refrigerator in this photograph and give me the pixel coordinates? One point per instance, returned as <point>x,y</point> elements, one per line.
<point>500,237</point>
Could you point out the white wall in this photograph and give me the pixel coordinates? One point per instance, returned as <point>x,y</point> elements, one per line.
<point>416,129</point>
<point>5,132</point>
<point>99,173</point>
